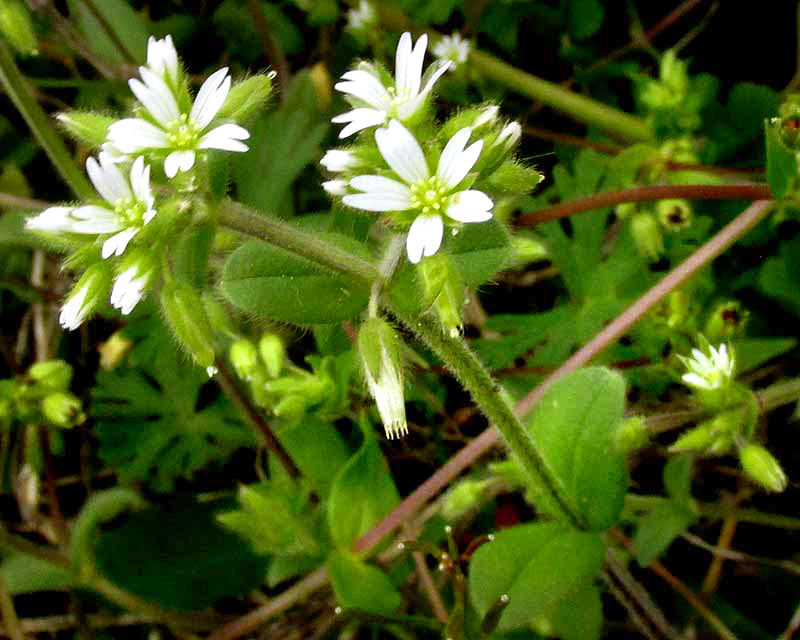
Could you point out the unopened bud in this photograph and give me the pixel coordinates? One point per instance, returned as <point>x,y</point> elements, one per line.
<point>53,374</point>
<point>462,498</point>
<point>379,349</point>
<point>16,25</point>
<point>272,354</point>
<point>631,435</point>
<point>186,317</point>
<point>90,292</point>
<point>647,235</point>
<point>674,214</point>
<point>247,98</point>
<point>726,320</point>
<point>443,287</point>
<point>697,439</point>
<point>63,409</point>
<point>761,466</point>
<point>509,136</point>
<point>244,357</point>
<point>86,127</point>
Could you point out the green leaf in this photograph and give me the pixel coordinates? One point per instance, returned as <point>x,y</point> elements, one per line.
<point>162,418</point>
<point>269,281</point>
<point>659,528</point>
<point>579,616</point>
<point>574,427</point>
<point>537,566</point>
<point>585,18</point>
<point>753,352</point>
<point>678,477</point>
<point>180,557</point>
<point>125,24</point>
<point>781,162</point>
<point>362,494</point>
<point>749,104</point>
<point>360,586</point>
<point>281,145</point>
<point>26,574</point>
<point>479,251</point>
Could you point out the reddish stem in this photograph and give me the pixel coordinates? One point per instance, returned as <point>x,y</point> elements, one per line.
<point>647,194</point>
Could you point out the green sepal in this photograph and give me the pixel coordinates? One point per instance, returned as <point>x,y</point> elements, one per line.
<point>86,127</point>
<point>247,99</point>
<point>185,315</point>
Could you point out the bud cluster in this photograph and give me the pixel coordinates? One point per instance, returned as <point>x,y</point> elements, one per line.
<point>42,396</point>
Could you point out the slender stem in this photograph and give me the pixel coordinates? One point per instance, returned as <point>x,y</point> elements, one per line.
<point>17,89</point>
<point>752,516</point>
<point>613,121</point>
<point>671,18</point>
<point>254,417</point>
<point>493,403</point>
<point>250,622</point>
<point>646,194</point>
<point>287,236</point>
<point>10,619</point>
<point>19,544</point>
<point>738,556</point>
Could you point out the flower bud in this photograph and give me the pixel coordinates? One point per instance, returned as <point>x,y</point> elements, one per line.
<point>86,296</point>
<point>674,214</point>
<point>247,98</point>
<point>186,316</point>
<point>16,25</point>
<point>86,127</point>
<point>444,289</point>
<point>631,435</point>
<point>625,209</point>
<point>462,498</point>
<point>647,235</point>
<point>762,467</point>
<point>697,439</point>
<point>53,374</point>
<point>63,409</point>
<point>336,160</point>
<point>726,320</point>
<point>272,354</point>
<point>509,136</point>
<point>244,357</point>
<point>379,349</point>
<point>335,187</point>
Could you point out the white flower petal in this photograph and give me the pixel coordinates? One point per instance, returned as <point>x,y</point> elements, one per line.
<point>434,72</point>
<point>140,182</point>
<point>470,206</point>
<point>156,96</point>
<point>408,64</point>
<point>226,137</point>
<point>402,59</point>
<point>210,98</point>
<point>108,180</point>
<point>365,86</point>
<point>94,219</point>
<point>132,134</point>
<point>376,201</point>
<point>335,187</point>
<point>162,57</point>
<point>52,219</point>
<point>456,162</point>
<point>117,243</point>
<point>74,311</point>
<point>361,118</point>
<point>380,185</point>
<point>424,237</point>
<point>694,380</point>
<point>128,290</point>
<point>178,161</point>
<point>402,152</point>
<point>336,160</point>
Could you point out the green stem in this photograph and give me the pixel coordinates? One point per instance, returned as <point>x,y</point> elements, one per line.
<point>39,122</point>
<point>287,236</point>
<point>10,619</point>
<point>493,403</point>
<point>611,120</point>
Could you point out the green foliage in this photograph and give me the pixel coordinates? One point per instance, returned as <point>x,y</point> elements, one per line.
<point>574,425</point>
<point>185,560</point>
<point>538,566</point>
<point>362,494</point>
<point>781,163</point>
<point>160,418</point>
<point>27,574</point>
<point>263,279</point>
<point>360,586</point>
<point>114,24</point>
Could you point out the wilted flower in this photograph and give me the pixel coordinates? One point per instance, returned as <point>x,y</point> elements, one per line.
<point>430,196</point>
<point>374,103</point>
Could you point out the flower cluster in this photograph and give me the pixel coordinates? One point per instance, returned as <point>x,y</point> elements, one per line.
<point>709,371</point>
<point>421,188</point>
<point>170,130</point>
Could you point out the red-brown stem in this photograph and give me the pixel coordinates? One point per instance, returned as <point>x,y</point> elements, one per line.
<point>671,18</point>
<point>646,194</point>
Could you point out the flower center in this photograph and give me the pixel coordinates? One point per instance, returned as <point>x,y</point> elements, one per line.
<point>182,133</point>
<point>398,98</point>
<point>429,196</point>
<point>131,211</point>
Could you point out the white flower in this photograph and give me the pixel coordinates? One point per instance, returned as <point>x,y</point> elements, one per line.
<point>710,371</point>
<point>130,207</point>
<point>181,134</point>
<point>430,196</point>
<point>374,103</point>
<point>336,160</point>
<point>453,48</point>
<point>335,187</point>
<point>130,286</point>
<point>75,309</point>
<point>162,58</point>
<point>362,18</point>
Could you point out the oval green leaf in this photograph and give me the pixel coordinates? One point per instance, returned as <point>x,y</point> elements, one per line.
<point>361,586</point>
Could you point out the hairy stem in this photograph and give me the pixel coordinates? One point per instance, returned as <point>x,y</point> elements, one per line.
<point>39,122</point>
<point>287,236</point>
<point>646,194</point>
